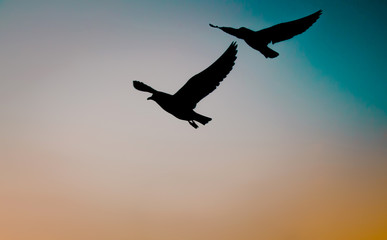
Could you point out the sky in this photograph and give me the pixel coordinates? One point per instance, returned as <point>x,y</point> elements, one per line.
<point>296,149</point>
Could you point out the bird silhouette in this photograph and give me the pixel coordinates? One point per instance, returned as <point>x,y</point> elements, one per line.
<point>277,33</point>
<point>182,103</point>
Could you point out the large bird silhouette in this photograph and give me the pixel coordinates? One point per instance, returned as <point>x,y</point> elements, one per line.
<point>182,103</point>
<point>277,33</point>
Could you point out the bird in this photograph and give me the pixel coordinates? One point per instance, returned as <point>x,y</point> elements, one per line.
<point>277,33</point>
<point>182,103</point>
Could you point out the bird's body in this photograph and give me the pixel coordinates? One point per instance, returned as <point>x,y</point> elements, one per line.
<point>177,108</point>
<point>259,42</point>
<point>182,103</point>
<point>277,33</point>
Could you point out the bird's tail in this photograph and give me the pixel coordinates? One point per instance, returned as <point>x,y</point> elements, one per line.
<point>202,119</point>
<point>268,52</point>
<point>143,87</point>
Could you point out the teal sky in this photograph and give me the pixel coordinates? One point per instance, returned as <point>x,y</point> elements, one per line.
<point>296,144</point>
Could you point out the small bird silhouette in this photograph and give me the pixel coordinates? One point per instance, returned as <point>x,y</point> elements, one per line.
<point>182,103</point>
<point>277,33</point>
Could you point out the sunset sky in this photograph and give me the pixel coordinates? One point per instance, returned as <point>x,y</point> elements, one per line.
<point>296,149</point>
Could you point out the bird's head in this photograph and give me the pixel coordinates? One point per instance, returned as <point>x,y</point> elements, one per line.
<point>151,98</point>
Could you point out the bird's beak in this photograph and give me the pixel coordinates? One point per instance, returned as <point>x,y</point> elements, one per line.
<point>149,98</point>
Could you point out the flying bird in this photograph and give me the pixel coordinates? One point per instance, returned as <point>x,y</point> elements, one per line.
<point>182,103</point>
<point>277,33</point>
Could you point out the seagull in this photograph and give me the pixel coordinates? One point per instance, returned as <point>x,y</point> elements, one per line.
<point>182,103</point>
<point>277,33</point>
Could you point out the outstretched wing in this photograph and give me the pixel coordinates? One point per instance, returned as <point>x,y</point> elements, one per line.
<point>143,87</point>
<point>287,30</point>
<point>206,81</point>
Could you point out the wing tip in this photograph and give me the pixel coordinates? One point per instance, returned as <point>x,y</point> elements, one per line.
<point>318,13</point>
<point>234,46</point>
<point>233,50</point>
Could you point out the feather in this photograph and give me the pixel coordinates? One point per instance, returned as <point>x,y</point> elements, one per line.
<point>203,83</point>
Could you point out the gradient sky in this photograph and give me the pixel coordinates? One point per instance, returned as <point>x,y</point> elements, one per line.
<point>296,149</point>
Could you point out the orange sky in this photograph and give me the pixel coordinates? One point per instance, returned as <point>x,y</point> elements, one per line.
<point>308,194</point>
